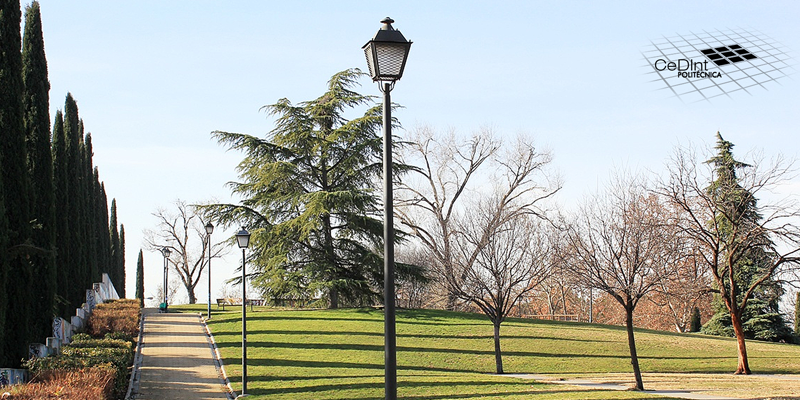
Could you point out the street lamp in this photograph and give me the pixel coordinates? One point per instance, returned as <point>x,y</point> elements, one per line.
<point>243,239</point>
<point>165,251</point>
<point>209,231</point>
<point>386,57</point>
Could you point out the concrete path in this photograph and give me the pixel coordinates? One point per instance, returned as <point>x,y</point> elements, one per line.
<point>177,360</point>
<point>678,394</point>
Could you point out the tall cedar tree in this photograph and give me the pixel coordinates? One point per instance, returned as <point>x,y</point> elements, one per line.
<point>116,249</point>
<point>311,199</point>
<point>140,279</point>
<point>40,167</point>
<point>61,178</point>
<point>16,180</point>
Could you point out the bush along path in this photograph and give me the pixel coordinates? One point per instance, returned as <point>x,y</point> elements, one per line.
<point>95,365</point>
<point>177,361</point>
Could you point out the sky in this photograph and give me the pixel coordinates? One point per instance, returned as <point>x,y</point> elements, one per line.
<point>153,79</point>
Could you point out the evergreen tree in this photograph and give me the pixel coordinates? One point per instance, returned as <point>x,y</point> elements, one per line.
<point>103,226</point>
<point>15,179</point>
<point>311,198</point>
<point>121,262</point>
<point>760,317</point>
<point>695,324</point>
<point>40,166</point>
<point>92,234</point>
<point>140,279</point>
<point>73,135</point>
<point>113,268</point>
<point>65,270</point>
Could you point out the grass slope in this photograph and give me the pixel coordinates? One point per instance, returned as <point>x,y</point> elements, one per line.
<point>338,354</point>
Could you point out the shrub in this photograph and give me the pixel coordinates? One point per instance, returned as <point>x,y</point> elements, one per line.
<point>84,384</point>
<point>120,316</point>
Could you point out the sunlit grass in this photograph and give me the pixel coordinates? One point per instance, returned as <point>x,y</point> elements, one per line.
<point>338,354</point>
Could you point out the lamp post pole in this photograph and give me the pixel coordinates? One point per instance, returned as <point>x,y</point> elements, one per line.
<point>165,251</point>
<point>386,58</point>
<point>390,335</point>
<point>209,231</point>
<point>243,240</point>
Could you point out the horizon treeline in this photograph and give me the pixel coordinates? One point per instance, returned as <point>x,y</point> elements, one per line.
<point>57,235</point>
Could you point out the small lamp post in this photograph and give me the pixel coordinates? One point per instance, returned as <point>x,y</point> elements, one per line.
<point>209,231</point>
<point>386,58</point>
<point>165,252</point>
<point>243,239</point>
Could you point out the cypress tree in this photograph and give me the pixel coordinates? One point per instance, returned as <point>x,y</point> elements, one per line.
<point>140,279</point>
<point>15,179</point>
<point>73,137</point>
<point>90,207</point>
<point>113,270</point>
<point>64,268</point>
<point>101,225</point>
<point>36,102</point>
<point>121,262</point>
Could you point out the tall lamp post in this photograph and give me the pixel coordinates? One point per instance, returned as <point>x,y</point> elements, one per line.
<point>243,239</point>
<point>386,57</point>
<point>165,251</point>
<point>209,231</point>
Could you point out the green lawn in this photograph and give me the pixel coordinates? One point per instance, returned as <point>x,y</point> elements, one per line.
<point>338,354</point>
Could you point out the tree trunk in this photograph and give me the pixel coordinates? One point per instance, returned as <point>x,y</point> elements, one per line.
<point>743,367</point>
<point>632,345</point>
<point>498,358</point>
<point>334,299</point>
<point>192,297</point>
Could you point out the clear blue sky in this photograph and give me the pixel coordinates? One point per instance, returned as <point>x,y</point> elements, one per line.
<point>153,79</point>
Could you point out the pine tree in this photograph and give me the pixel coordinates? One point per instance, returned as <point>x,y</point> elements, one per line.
<point>140,279</point>
<point>15,179</point>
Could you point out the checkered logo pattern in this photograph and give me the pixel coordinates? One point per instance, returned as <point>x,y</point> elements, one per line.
<point>736,62</point>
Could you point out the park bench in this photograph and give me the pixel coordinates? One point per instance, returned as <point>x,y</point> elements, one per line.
<point>238,302</point>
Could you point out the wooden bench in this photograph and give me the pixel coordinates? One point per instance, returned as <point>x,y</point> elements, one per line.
<point>238,302</point>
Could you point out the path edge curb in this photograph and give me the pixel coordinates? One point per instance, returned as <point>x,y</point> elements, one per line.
<point>212,344</point>
<point>133,383</point>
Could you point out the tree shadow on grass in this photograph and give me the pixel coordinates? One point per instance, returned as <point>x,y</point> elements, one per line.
<point>403,349</point>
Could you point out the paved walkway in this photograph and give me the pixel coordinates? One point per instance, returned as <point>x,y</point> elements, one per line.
<point>177,360</point>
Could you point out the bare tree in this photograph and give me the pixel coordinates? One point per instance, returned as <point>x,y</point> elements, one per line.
<point>718,201</point>
<point>507,259</point>
<point>620,246</point>
<point>684,286</point>
<point>445,166</point>
<point>449,167</point>
<point>183,231</point>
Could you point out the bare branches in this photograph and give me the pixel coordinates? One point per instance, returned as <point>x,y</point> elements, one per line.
<point>178,228</point>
